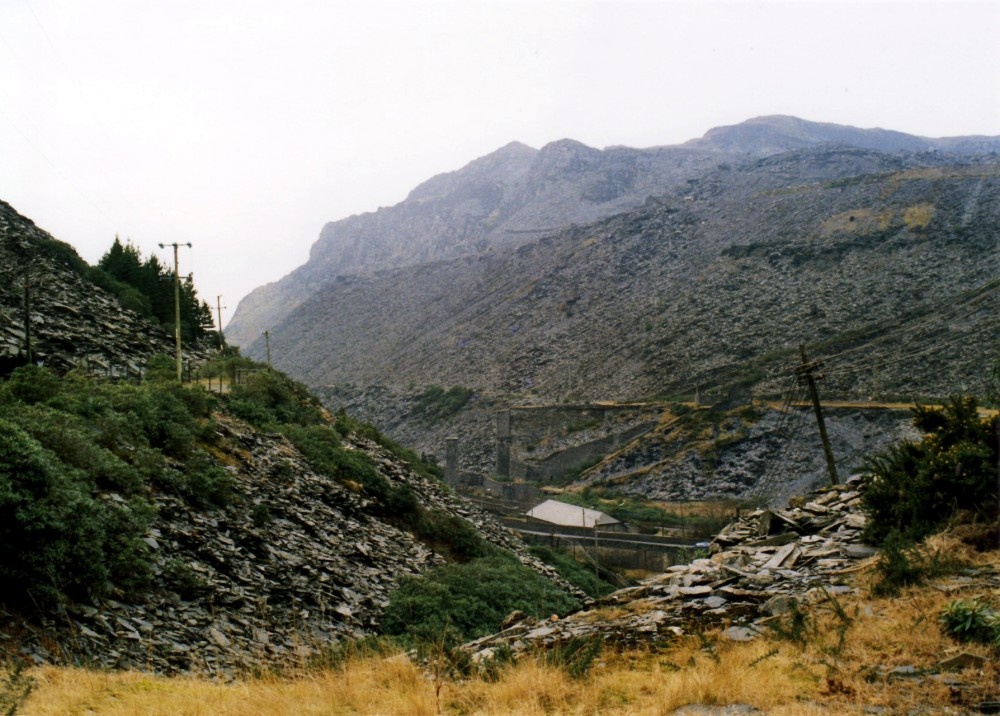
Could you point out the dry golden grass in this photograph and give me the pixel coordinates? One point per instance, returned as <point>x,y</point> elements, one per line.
<point>839,661</point>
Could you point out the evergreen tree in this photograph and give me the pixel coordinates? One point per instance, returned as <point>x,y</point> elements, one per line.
<point>147,287</point>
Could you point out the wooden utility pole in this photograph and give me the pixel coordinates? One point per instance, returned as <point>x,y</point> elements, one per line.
<point>805,374</point>
<point>27,317</point>
<point>219,307</point>
<point>177,309</point>
<point>267,343</point>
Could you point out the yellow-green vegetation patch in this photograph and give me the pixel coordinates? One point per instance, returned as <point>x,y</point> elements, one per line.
<point>919,216</point>
<point>857,221</point>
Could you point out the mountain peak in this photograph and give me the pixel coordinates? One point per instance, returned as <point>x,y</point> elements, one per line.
<point>770,134</point>
<point>502,166</point>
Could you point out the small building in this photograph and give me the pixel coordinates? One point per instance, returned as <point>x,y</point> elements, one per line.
<point>563,514</point>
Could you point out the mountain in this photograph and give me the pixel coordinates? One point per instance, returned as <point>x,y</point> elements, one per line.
<point>504,199</point>
<point>882,260</point>
<point>797,248</point>
<point>518,193</point>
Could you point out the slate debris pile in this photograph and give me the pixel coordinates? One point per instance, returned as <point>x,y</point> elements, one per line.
<point>298,563</point>
<point>73,322</point>
<point>760,566</point>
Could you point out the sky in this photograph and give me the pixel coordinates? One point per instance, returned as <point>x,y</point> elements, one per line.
<point>243,126</point>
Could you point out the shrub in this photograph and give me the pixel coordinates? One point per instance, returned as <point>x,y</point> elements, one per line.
<point>345,425</point>
<point>572,571</point>
<point>321,447</point>
<point>268,399</point>
<point>32,384</point>
<point>972,621</point>
<point>437,404</point>
<point>461,602</point>
<point>915,486</point>
<point>161,367</point>
<point>73,444</point>
<point>202,483</point>
<point>448,533</point>
<point>55,538</point>
<point>901,564</point>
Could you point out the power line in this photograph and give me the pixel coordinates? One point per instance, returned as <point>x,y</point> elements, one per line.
<point>937,310</point>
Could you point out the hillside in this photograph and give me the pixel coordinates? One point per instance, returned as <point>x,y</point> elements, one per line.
<point>151,524</point>
<point>72,321</point>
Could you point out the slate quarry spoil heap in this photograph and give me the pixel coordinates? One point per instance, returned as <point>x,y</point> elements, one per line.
<point>760,566</point>
<point>298,564</point>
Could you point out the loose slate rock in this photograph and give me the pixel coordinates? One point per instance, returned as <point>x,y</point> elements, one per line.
<point>746,582</point>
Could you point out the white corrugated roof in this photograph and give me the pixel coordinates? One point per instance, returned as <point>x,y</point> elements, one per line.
<point>561,513</point>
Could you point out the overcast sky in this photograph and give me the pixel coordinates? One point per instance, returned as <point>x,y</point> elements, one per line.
<point>242,126</point>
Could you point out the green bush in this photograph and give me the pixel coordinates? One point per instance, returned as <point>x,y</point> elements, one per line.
<point>345,425</point>
<point>448,533</point>
<point>437,404</point>
<point>122,436</point>
<point>901,564</point>
<point>202,483</point>
<point>72,442</point>
<point>322,448</point>
<point>915,486</point>
<point>577,574</point>
<point>31,384</point>
<point>55,537</point>
<point>161,368</point>
<point>321,445</point>
<point>460,602</point>
<point>268,399</point>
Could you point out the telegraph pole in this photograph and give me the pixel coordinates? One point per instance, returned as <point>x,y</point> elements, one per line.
<point>27,317</point>
<point>805,374</point>
<point>219,307</point>
<point>177,309</point>
<point>267,342</point>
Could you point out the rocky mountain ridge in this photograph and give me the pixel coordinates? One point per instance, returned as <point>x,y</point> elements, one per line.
<point>503,199</point>
<point>518,193</point>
